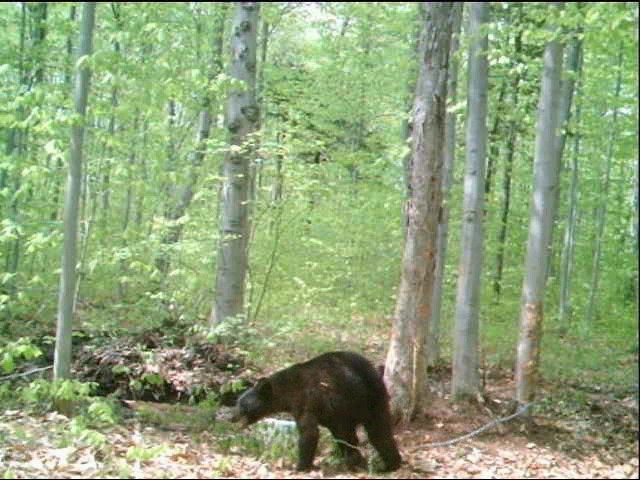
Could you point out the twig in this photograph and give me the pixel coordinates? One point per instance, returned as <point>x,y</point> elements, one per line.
<point>522,410</point>
<point>17,375</point>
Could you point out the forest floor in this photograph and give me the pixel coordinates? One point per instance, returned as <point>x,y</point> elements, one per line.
<point>576,432</point>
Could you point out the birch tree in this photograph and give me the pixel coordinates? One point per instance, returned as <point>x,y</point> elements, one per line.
<point>466,379</point>
<point>242,120</point>
<point>405,369</point>
<point>62,358</point>
<point>546,170</point>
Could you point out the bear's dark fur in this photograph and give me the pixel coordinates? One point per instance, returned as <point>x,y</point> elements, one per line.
<point>338,390</point>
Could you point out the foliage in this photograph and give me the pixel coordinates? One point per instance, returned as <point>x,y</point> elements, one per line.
<point>13,352</point>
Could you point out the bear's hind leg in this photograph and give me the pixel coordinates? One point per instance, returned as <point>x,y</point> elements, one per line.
<point>347,442</point>
<point>380,435</point>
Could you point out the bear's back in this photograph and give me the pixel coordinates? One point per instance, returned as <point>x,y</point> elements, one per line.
<point>336,385</point>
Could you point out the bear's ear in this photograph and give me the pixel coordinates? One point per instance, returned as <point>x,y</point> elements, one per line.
<point>264,389</point>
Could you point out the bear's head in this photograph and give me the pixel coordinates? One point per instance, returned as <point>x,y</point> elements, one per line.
<point>255,403</point>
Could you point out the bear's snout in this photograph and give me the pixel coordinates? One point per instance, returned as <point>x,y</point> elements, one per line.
<point>238,417</point>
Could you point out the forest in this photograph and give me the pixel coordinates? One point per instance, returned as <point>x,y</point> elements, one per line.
<point>196,198</point>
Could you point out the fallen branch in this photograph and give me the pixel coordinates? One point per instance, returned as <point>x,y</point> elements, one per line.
<point>521,411</point>
<point>24,374</point>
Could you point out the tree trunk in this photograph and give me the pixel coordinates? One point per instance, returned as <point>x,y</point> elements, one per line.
<point>433,336</point>
<point>62,361</point>
<point>466,378</point>
<point>570,231</point>
<point>508,170</point>
<point>493,138</point>
<point>566,98</point>
<point>546,175</point>
<point>38,35</point>
<point>126,217</point>
<point>412,84</point>
<point>636,240</point>
<point>242,120</point>
<point>602,205</point>
<point>144,177</point>
<point>405,370</point>
<point>67,82</point>
<point>186,191</point>
<point>110,155</point>
<point>264,46</point>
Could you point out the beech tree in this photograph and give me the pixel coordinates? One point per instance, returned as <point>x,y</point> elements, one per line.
<point>546,169</point>
<point>62,360</point>
<point>242,119</point>
<point>466,376</point>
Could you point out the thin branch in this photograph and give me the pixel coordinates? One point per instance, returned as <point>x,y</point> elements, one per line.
<point>18,375</point>
<point>521,411</point>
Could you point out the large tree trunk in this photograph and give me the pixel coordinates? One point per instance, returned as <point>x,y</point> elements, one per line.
<point>242,120</point>
<point>466,378</point>
<point>62,360</point>
<point>546,176</point>
<point>433,336</point>
<point>405,370</point>
<point>602,204</point>
<point>406,128</point>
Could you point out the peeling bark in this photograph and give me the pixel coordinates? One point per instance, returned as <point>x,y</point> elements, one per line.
<point>529,349</point>
<point>405,369</point>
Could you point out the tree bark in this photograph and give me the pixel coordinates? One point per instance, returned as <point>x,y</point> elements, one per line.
<point>242,120</point>
<point>412,85</point>
<point>546,175</point>
<point>466,378</point>
<point>62,357</point>
<point>405,369</point>
<point>433,336</point>
<point>493,139</point>
<point>566,99</point>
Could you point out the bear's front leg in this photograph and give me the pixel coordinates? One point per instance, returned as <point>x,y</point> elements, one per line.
<point>307,441</point>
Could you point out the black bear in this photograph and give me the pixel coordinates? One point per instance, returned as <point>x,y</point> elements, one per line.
<point>338,390</point>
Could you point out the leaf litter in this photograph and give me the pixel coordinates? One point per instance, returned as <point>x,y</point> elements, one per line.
<point>564,438</point>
